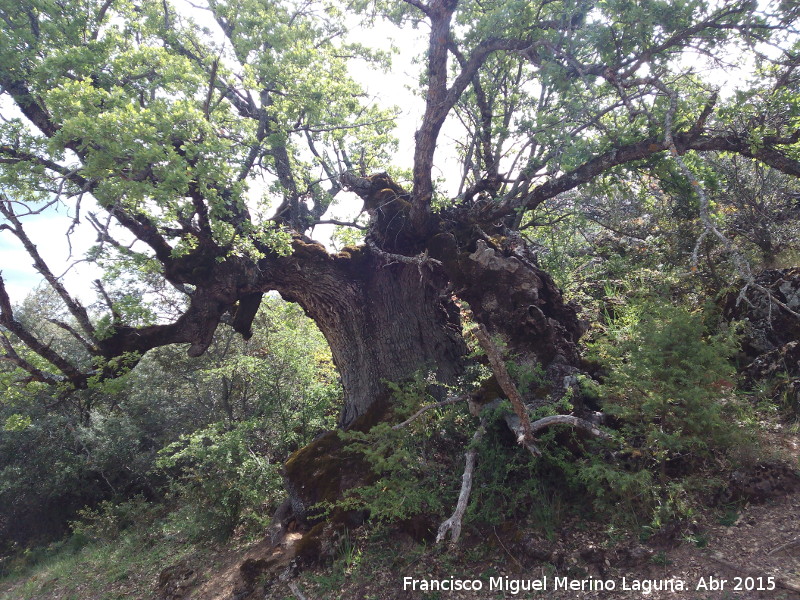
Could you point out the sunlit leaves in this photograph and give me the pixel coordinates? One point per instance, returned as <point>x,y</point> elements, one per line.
<point>17,422</point>
<point>186,117</point>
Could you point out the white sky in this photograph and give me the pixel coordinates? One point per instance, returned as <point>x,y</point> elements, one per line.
<point>48,232</point>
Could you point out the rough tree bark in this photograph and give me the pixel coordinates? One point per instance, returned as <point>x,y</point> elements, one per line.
<point>384,320</point>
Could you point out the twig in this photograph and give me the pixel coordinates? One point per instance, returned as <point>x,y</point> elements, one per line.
<point>513,423</point>
<point>786,584</point>
<point>453,524</point>
<point>73,305</point>
<point>428,407</point>
<point>342,223</point>
<point>503,546</point>
<point>788,544</point>
<point>419,260</point>
<point>102,291</point>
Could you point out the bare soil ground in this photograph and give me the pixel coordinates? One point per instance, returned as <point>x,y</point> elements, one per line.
<point>736,559</point>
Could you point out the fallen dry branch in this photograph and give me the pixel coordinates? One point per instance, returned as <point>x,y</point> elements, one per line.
<point>503,546</point>
<point>786,584</point>
<point>587,426</point>
<point>515,426</point>
<point>453,524</point>
<point>524,433</point>
<point>788,544</point>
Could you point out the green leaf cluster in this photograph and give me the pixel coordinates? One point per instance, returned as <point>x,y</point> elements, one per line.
<point>669,384</point>
<point>220,476</point>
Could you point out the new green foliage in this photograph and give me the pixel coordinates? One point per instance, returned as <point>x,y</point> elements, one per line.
<point>668,379</point>
<point>669,385</point>
<point>221,477</point>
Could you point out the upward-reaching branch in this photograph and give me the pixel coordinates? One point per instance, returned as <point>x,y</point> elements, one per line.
<point>739,143</point>
<point>75,307</point>
<point>440,13</point>
<point>440,101</point>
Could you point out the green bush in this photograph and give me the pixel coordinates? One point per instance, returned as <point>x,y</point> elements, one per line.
<point>108,520</point>
<point>416,468</point>
<point>267,395</point>
<point>668,384</point>
<point>221,479</point>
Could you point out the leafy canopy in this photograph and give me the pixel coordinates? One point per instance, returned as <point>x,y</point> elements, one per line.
<point>215,137</point>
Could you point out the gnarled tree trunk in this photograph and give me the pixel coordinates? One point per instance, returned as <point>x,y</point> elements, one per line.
<point>390,310</point>
<point>385,321</point>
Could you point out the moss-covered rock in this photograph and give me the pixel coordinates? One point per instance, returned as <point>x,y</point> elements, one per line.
<point>322,471</point>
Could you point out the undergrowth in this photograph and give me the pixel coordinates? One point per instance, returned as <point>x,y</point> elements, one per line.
<point>98,560</point>
<point>669,393</point>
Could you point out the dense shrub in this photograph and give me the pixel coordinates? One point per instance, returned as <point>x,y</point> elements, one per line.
<point>224,419</point>
<point>221,477</point>
<point>668,384</point>
<point>416,468</point>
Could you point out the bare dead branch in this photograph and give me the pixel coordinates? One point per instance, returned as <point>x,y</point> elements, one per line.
<point>107,299</point>
<point>788,544</point>
<point>525,435</point>
<point>503,546</point>
<point>576,422</point>
<point>420,260</point>
<point>786,584</point>
<point>71,330</point>
<point>15,359</point>
<point>341,223</point>
<point>453,524</point>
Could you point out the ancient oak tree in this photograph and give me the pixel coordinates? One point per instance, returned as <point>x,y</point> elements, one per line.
<point>204,142</point>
